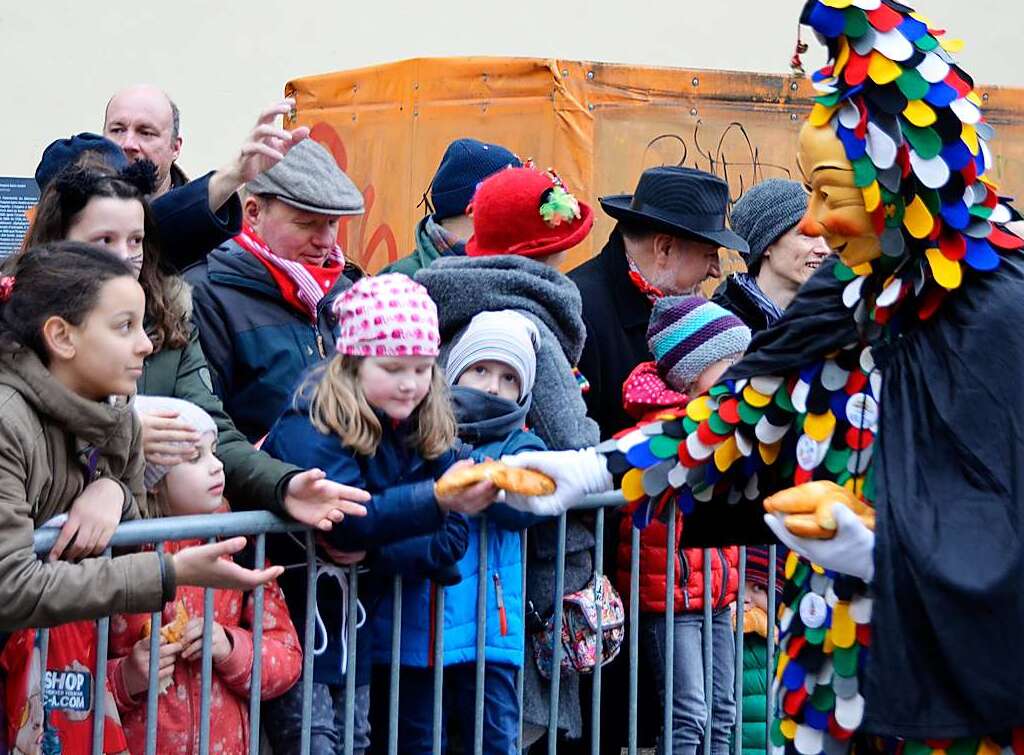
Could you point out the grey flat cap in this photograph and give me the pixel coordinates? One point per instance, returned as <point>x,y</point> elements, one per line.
<point>309,179</point>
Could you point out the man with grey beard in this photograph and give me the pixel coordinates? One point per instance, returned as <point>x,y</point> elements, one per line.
<point>665,243</point>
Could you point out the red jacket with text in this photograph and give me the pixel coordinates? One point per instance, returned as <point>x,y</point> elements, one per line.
<point>179,705</point>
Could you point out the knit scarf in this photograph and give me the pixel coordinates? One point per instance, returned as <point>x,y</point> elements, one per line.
<point>445,242</point>
<point>637,278</point>
<point>772,311</point>
<point>311,282</point>
<point>484,418</point>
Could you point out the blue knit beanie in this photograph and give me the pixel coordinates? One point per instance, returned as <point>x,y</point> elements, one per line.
<point>688,334</point>
<point>765,212</point>
<point>465,164</point>
<point>64,152</point>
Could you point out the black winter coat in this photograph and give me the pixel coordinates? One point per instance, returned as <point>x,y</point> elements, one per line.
<point>187,228</point>
<point>616,315</point>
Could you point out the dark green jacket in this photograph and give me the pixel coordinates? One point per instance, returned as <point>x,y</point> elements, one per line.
<point>421,257</point>
<point>755,699</point>
<point>254,479</point>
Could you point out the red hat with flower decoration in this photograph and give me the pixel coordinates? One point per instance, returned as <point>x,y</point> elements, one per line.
<point>525,212</point>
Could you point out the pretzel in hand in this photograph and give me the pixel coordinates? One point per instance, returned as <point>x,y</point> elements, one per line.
<point>808,508</point>
<point>173,632</point>
<point>521,481</point>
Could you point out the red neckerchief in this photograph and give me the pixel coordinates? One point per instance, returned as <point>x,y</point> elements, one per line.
<point>638,280</point>
<point>325,277</point>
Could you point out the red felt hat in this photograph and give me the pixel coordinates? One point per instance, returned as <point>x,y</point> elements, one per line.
<point>525,212</point>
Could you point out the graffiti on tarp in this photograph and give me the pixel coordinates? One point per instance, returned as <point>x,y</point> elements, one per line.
<point>360,249</point>
<point>734,157</point>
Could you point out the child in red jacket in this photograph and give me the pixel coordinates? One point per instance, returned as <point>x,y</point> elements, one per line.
<point>196,487</point>
<point>694,341</point>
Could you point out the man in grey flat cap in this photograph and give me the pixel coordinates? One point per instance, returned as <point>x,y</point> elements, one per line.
<point>262,300</point>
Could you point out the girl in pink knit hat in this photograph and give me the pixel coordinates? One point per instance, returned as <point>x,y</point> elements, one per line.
<point>377,415</point>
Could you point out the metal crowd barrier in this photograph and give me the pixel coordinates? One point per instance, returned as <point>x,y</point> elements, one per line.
<point>260,524</point>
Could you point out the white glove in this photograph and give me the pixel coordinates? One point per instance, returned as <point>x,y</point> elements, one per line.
<point>851,551</point>
<point>576,474</point>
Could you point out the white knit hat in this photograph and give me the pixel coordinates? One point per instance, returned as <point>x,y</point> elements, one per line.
<point>189,413</point>
<point>507,337</point>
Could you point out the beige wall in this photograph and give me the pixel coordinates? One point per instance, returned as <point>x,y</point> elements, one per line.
<point>223,60</point>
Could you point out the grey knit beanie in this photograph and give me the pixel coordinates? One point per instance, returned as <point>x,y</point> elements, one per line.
<point>506,337</point>
<point>765,212</point>
<point>189,413</point>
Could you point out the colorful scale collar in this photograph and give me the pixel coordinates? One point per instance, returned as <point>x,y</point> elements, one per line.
<point>911,125</point>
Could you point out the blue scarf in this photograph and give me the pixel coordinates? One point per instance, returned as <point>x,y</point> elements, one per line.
<point>484,418</point>
<point>771,310</point>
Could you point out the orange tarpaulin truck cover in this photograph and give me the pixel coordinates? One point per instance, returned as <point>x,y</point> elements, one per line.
<point>597,125</point>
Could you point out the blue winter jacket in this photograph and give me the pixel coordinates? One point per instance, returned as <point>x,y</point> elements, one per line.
<point>257,344</point>
<point>401,483</point>
<point>493,437</point>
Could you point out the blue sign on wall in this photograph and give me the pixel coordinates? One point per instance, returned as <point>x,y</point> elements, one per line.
<point>16,196</point>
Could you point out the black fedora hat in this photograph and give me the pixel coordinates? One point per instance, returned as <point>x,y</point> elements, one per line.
<point>682,201</point>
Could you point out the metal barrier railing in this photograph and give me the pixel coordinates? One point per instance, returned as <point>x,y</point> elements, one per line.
<point>260,524</point>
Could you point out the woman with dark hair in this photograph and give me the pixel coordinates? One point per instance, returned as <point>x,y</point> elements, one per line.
<point>90,201</point>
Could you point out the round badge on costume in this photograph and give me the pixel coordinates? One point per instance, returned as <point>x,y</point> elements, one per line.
<point>862,412</point>
<point>813,610</point>
<point>810,453</point>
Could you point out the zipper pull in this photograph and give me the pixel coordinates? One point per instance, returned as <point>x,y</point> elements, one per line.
<point>320,345</point>
<point>499,596</point>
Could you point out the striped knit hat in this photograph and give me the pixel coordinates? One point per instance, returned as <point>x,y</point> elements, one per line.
<point>506,337</point>
<point>757,566</point>
<point>688,334</point>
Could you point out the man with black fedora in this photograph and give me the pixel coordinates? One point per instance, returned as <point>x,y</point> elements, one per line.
<point>665,243</point>
<point>262,299</point>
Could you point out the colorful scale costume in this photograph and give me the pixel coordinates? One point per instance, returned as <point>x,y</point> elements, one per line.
<point>913,134</point>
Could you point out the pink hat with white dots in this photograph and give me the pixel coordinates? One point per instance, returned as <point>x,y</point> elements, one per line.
<point>387,316</point>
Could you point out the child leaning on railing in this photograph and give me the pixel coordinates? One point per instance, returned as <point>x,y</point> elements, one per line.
<point>194,487</point>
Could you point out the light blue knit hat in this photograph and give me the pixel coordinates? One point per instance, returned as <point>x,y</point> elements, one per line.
<point>688,334</point>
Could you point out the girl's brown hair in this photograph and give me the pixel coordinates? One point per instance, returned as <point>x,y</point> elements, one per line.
<point>63,280</point>
<point>339,407</point>
<point>69,193</point>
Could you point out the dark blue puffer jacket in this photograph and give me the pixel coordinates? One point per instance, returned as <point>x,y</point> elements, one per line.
<point>257,344</point>
<point>401,483</point>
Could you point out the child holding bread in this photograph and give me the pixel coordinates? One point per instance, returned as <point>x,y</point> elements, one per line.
<point>377,415</point>
<point>193,487</point>
<point>491,370</point>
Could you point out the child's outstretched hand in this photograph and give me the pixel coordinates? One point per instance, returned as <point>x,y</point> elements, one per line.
<point>315,501</point>
<point>205,566</point>
<point>471,500</point>
<point>220,647</point>
<point>91,522</point>
<point>135,669</point>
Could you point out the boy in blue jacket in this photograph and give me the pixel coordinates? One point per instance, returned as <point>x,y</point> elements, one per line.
<point>491,369</point>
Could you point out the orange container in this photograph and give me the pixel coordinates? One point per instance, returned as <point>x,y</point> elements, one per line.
<point>598,125</point>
